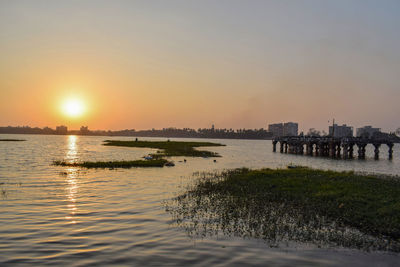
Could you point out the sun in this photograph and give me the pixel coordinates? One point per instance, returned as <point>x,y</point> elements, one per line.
<point>73,107</point>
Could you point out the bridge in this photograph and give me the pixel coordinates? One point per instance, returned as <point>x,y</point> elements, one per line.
<point>328,146</point>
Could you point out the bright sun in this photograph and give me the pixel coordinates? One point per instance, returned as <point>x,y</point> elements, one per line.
<point>73,107</point>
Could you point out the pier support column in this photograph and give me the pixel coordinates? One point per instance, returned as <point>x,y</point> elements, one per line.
<point>281,146</point>
<point>361,151</point>
<point>351,151</point>
<point>376,150</point>
<point>338,150</point>
<point>390,145</point>
<point>317,149</point>
<point>286,147</point>
<point>332,149</point>
<point>274,146</point>
<point>301,149</point>
<point>345,151</point>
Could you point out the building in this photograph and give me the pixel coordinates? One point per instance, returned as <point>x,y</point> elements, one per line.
<point>84,130</point>
<point>367,131</point>
<point>340,131</point>
<point>276,129</point>
<point>290,129</point>
<point>61,129</point>
<point>284,129</point>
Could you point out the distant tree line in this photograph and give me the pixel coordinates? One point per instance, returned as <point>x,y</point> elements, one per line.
<point>165,132</point>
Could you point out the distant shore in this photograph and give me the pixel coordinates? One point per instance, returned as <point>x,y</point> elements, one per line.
<point>211,133</point>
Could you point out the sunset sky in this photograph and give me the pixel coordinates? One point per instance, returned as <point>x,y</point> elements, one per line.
<point>235,64</point>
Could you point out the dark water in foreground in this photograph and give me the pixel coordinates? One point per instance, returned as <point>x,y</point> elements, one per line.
<point>69,216</point>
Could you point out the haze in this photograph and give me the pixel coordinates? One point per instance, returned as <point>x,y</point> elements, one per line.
<point>235,64</point>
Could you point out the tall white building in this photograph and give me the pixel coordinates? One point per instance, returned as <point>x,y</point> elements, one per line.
<point>284,129</point>
<point>290,129</point>
<point>340,131</point>
<point>367,131</point>
<point>276,129</point>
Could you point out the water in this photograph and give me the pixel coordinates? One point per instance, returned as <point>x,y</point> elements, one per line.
<point>52,215</point>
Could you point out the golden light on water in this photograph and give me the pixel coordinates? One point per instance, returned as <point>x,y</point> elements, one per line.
<point>73,107</point>
<point>71,179</point>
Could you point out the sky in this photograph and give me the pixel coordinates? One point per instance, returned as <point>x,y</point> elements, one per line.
<point>234,64</point>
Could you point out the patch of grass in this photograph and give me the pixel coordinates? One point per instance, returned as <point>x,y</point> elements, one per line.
<point>114,164</point>
<point>300,204</point>
<point>169,148</point>
<point>11,140</point>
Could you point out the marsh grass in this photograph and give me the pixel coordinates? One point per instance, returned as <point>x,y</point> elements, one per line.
<point>114,164</point>
<point>325,208</point>
<point>169,148</point>
<point>11,140</point>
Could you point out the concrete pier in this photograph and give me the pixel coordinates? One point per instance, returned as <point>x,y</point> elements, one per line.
<point>332,147</point>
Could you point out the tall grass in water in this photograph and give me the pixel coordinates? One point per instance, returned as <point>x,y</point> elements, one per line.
<point>325,208</point>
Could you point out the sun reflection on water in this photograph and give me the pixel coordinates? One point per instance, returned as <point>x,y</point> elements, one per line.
<point>71,179</point>
<point>72,148</point>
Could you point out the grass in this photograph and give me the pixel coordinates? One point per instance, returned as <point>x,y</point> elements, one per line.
<point>114,164</point>
<point>326,208</point>
<point>170,148</point>
<point>11,140</point>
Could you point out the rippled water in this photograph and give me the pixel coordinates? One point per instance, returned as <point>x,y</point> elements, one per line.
<point>69,216</point>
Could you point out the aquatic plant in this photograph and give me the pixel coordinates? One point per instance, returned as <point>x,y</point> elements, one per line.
<point>169,148</point>
<point>326,208</point>
<point>113,164</point>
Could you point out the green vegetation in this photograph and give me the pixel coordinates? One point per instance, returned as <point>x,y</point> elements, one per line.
<point>169,148</point>
<point>114,164</point>
<point>326,208</point>
<point>11,140</point>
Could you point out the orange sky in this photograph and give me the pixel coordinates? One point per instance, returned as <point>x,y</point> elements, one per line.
<point>235,64</point>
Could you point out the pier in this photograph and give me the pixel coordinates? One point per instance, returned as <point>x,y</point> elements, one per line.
<point>341,148</point>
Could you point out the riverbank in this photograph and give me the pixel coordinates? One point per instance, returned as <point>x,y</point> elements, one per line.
<point>326,208</point>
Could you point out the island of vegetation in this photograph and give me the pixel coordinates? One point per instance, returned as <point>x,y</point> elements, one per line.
<point>114,164</point>
<point>11,140</point>
<point>326,208</point>
<point>167,149</point>
<point>170,148</point>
